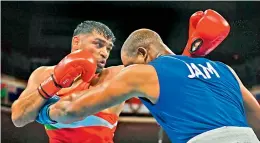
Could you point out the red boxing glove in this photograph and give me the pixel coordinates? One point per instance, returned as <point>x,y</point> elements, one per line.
<point>80,62</point>
<point>194,19</point>
<point>207,31</point>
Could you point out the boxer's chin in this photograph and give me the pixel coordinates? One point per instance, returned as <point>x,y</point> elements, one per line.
<point>99,70</point>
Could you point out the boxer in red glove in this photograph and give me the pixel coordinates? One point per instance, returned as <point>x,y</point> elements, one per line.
<point>91,45</point>
<point>193,99</point>
<point>206,31</point>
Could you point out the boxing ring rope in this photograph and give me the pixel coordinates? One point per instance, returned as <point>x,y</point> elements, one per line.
<point>137,119</point>
<point>6,109</point>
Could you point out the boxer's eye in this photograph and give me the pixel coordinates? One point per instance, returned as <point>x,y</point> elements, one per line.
<point>109,49</point>
<point>99,44</point>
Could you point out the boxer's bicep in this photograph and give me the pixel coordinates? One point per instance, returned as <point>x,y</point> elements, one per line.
<point>149,83</point>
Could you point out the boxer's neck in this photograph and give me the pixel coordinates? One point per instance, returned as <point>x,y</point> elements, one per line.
<point>165,52</point>
<point>95,79</point>
<point>159,49</point>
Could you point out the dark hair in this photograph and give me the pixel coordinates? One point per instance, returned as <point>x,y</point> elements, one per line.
<point>87,27</point>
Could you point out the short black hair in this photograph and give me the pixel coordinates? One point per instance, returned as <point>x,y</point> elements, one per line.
<point>88,26</point>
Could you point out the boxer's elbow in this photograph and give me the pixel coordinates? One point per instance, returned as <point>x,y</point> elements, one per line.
<point>16,115</point>
<point>19,116</point>
<point>17,121</point>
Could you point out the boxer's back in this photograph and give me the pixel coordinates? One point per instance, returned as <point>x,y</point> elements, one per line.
<point>196,95</point>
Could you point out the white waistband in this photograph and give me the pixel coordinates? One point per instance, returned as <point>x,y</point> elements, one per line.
<point>226,134</point>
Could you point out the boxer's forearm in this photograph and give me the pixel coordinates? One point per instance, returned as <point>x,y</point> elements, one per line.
<point>253,120</point>
<point>26,108</point>
<point>60,111</point>
<point>91,102</point>
<point>125,85</point>
<point>252,108</point>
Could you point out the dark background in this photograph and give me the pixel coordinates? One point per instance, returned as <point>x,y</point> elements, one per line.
<point>39,33</point>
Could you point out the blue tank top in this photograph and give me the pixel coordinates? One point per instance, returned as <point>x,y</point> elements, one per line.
<point>196,95</point>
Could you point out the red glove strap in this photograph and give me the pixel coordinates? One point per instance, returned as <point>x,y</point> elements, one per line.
<point>48,88</point>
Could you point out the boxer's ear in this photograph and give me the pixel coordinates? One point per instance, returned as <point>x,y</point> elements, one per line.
<point>142,51</point>
<point>75,43</point>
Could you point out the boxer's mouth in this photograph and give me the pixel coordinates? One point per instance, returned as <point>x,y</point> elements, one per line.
<point>102,63</point>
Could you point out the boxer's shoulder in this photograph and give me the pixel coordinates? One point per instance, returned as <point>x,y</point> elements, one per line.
<point>44,69</point>
<point>114,68</point>
<point>112,71</point>
<point>41,73</point>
